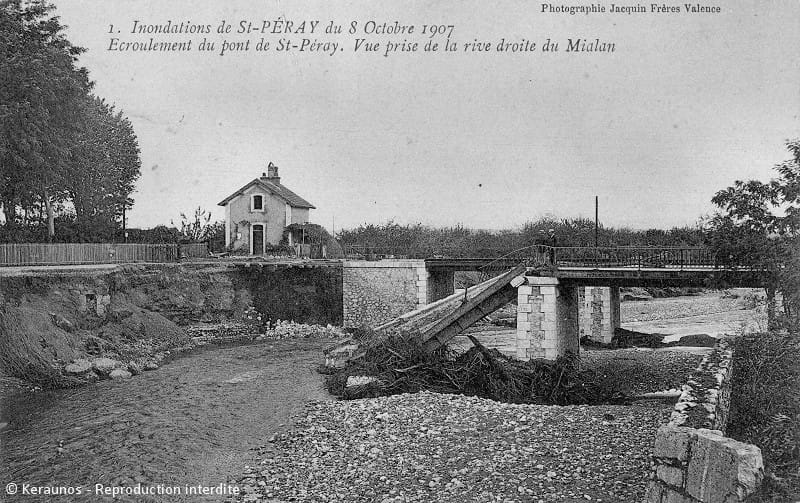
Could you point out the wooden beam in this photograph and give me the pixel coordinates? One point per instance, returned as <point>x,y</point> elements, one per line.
<point>442,335</point>
<point>497,284</point>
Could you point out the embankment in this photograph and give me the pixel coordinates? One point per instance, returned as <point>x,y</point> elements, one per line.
<point>52,316</point>
<point>693,461</point>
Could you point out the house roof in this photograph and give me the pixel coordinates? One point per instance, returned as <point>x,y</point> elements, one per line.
<point>275,188</point>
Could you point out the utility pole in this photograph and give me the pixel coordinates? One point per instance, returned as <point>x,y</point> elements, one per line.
<point>596,221</point>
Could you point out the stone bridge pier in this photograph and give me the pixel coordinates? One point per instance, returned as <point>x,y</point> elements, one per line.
<point>598,313</point>
<point>552,317</point>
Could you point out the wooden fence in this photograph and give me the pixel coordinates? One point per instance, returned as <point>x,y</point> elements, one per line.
<point>16,254</point>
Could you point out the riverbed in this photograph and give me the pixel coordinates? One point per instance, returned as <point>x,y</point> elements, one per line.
<point>714,313</point>
<point>200,419</point>
<point>194,421</point>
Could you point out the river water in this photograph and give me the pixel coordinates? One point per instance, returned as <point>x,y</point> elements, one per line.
<point>194,421</point>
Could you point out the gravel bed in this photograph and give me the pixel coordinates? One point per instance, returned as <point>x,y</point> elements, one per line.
<point>434,447</point>
<point>642,371</point>
<point>678,307</point>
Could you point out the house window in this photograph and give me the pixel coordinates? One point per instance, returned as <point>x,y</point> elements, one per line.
<point>257,202</point>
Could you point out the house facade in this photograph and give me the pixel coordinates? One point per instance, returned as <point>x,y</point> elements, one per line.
<point>257,214</point>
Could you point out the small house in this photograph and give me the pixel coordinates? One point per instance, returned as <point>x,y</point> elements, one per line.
<point>258,214</point>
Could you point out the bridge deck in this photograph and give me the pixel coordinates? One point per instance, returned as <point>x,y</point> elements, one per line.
<point>613,275</point>
<point>661,276</point>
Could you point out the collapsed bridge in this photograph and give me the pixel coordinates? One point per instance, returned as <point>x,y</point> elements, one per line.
<point>562,293</point>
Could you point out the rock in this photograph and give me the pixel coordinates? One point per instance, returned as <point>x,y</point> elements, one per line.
<point>722,469</point>
<point>91,376</point>
<point>673,442</point>
<point>105,365</point>
<point>134,368</point>
<point>670,474</point>
<point>62,323</point>
<point>119,374</point>
<point>78,367</point>
<point>103,301</point>
<point>361,381</point>
<point>151,365</point>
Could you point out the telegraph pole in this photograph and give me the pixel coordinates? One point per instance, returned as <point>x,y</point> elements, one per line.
<point>596,221</point>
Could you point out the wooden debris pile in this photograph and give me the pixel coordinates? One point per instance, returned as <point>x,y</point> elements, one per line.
<point>400,364</point>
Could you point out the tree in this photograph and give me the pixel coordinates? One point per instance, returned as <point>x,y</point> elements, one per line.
<point>757,226</point>
<point>102,168</point>
<point>41,90</point>
<point>197,227</point>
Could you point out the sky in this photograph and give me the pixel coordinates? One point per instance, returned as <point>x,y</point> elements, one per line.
<point>685,105</point>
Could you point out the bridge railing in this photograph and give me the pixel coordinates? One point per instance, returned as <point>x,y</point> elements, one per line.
<point>634,256</point>
<point>638,257</point>
<point>674,257</point>
<point>539,256</point>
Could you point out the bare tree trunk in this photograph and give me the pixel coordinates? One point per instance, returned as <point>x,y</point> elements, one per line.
<point>770,307</point>
<point>51,223</point>
<point>10,212</point>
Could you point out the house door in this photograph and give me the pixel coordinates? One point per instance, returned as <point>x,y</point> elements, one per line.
<point>257,243</point>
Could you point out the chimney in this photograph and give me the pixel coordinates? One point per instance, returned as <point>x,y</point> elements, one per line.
<point>272,173</point>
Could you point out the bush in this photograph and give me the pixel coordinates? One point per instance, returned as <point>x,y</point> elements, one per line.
<point>765,401</point>
<point>425,241</point>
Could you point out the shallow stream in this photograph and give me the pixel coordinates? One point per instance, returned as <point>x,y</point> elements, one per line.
<point>194,421</point>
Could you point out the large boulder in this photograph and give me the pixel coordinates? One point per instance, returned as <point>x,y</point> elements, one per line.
<point>119,374</point>
<point>722,469</point>
<point>78,367</point>
<point>105,366</point>
<point>62,323</point>
<point>135,368</point>
<point>354,381</point>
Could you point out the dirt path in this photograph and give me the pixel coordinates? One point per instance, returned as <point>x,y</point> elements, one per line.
<point>193,421</point>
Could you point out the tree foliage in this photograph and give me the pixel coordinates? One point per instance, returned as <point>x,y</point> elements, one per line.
<point>104,165</point>
<point>462,241</point>
<point>757,226</point>
<point>62,151</point>
<point>198,226</point>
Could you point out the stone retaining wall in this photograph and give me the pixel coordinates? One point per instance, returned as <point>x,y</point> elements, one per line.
<point>692,459</point>
<point>376,292</point>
